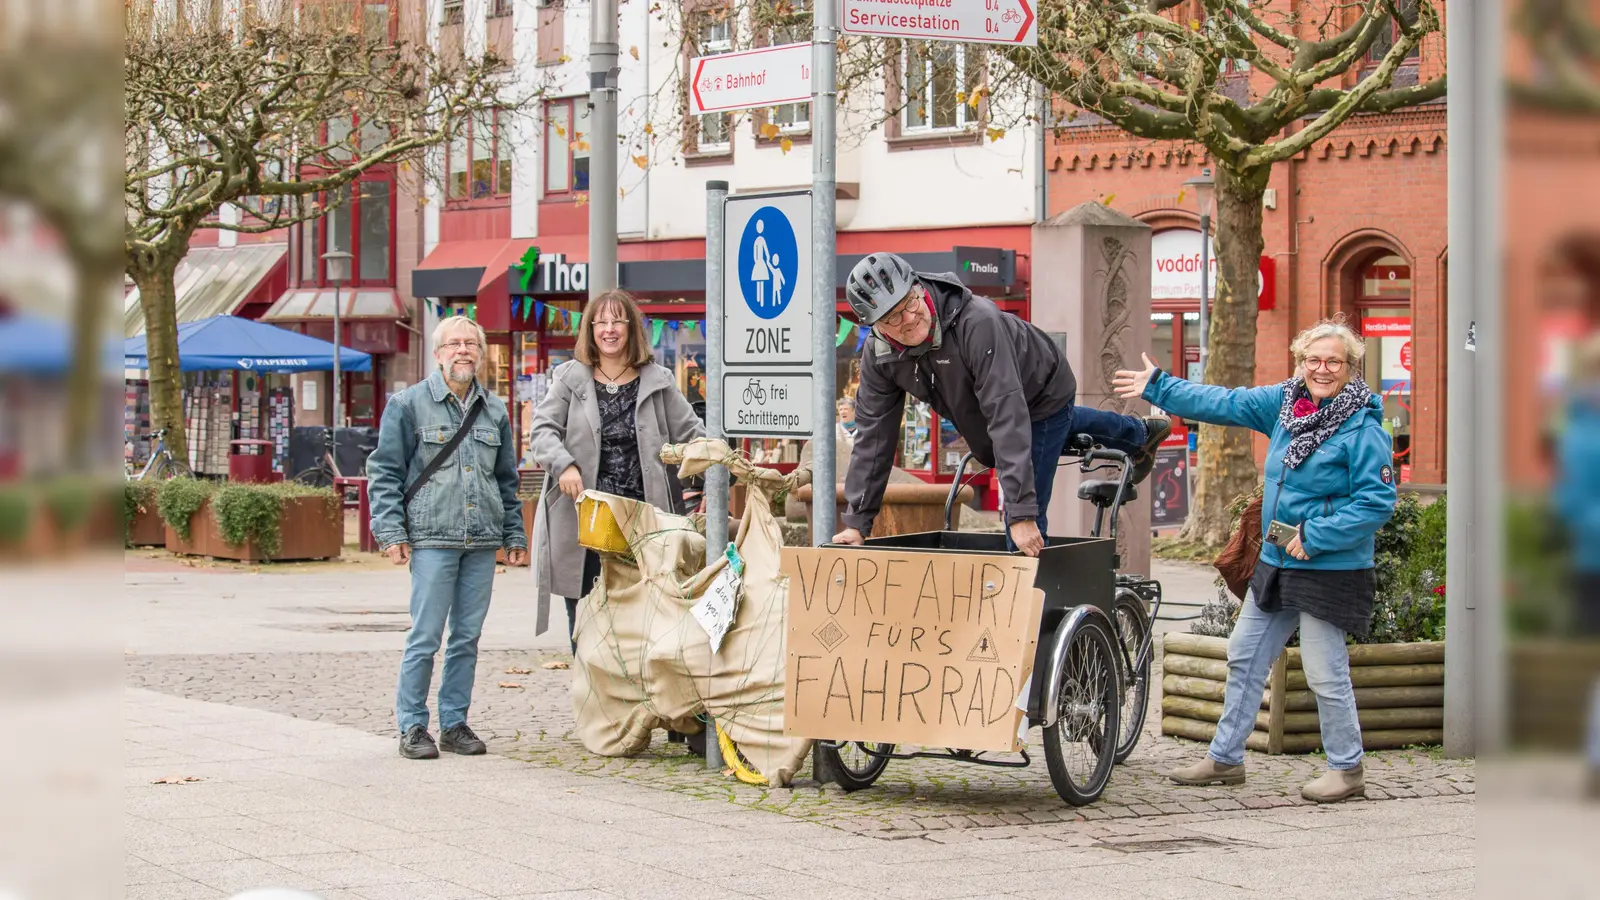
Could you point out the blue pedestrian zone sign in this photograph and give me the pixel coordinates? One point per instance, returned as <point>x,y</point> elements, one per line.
<point>767,280</point>
<point>769,262</point>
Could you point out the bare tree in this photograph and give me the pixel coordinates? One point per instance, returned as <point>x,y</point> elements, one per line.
<point>1163,70</point>
<point>58,114</point>
<point>272,108</point>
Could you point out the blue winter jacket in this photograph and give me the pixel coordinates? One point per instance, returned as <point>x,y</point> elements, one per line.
<point>1577,492</point>
<point>1338,497</point>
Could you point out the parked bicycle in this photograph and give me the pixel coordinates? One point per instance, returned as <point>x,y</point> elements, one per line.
<point>326,469</point>
<point>162,465</point>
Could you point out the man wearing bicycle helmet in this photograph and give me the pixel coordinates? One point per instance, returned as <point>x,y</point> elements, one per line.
<point>1003,384</point>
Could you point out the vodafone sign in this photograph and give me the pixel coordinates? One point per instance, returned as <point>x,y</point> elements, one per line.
<point>1175,268</point>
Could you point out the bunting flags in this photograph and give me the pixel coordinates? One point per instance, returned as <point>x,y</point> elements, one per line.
<point>844,331</point>
<point>861,339</point>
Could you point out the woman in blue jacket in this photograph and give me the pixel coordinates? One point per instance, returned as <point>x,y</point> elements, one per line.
<point>1576,497</point>
<point>1330,479</point>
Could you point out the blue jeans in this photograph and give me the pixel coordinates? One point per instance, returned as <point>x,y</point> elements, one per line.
<point>1258,637</point>
<point>1114,431</point>
<point>453,585</point>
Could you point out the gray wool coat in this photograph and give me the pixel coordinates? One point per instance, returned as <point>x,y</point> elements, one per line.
<point>566,431</point>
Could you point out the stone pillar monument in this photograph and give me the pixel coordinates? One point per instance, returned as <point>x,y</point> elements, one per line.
<point>1091,292</point>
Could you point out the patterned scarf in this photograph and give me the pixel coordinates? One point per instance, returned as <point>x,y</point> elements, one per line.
<point>1311,428</point>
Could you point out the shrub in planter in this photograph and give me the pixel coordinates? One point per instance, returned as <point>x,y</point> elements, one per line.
<point>139,513</point>
<point>16,513</point>
<point>253,513</point>
<point>178,499</point>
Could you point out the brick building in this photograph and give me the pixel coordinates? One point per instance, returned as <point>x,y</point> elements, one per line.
<point>1354,225</point>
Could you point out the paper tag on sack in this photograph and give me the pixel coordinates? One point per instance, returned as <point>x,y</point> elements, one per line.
<point>715,610</point>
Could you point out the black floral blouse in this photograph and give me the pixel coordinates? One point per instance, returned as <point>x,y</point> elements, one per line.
<point>620,472</point>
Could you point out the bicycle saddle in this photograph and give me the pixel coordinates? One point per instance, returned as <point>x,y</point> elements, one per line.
<point>1104,493</point>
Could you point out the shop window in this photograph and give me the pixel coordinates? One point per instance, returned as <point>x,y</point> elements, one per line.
<point>361,223</point>
<point>792,118</point>
<point>1389,32</point>
<point>479,157</point>
<point>1384,306</point>
<point>714,132</point>
<point>566,145</point>
<point>939,81</point>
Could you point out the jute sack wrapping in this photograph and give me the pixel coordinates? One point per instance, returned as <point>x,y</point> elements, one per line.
<point>644,662</point>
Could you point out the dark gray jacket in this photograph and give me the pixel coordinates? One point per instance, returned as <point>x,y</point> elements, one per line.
<point>988,372</point>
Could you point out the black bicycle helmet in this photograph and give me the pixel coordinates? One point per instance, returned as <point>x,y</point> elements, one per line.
<point>876,285</point>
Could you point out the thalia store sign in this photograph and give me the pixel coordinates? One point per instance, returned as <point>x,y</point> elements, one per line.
<point>1175,268</point>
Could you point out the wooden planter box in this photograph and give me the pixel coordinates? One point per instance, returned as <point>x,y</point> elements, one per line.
<point>146,529</point>
<point>1399,695</point>
<point>311,528</point>
<point>1551,686</point>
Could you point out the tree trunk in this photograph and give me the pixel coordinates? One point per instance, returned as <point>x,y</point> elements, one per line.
<point>86,382</point>
<point>158,300</point>
<point>1227,462</point>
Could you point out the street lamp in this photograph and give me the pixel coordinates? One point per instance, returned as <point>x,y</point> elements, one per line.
<point>338,263</point>
<point>1205,190</point>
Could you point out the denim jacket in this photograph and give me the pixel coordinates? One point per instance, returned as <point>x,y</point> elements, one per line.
<point>471,502</point>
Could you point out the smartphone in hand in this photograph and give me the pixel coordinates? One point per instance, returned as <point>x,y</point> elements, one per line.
<point>1279,534</point>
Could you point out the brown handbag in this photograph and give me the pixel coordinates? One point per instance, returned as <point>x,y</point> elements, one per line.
<point>1237,561</point>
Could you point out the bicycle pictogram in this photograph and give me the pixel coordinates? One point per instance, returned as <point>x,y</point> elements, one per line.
<point>754,393</point>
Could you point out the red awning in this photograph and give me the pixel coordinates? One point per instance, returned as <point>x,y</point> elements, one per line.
<point>454,268</point>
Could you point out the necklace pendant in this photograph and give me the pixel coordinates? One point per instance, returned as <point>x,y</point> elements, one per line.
<point>611,388</point>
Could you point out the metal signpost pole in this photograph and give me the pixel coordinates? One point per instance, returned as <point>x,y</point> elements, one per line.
<point>337,262</point>
<point>603,72</point>
<point>824,317</point>
<point>716,477</point>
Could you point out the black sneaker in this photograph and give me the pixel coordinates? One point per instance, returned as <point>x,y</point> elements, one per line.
<point>1157,428</point>
<point>417,743</point>
<point>460,739</point>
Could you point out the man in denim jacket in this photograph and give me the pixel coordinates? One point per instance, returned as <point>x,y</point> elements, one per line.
<point>449,532</point>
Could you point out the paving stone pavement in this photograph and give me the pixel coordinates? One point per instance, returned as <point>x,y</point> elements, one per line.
<point>224,798</point>
<point>532,720</point>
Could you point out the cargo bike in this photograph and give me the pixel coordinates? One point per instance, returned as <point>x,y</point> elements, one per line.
<point>1090,686</point>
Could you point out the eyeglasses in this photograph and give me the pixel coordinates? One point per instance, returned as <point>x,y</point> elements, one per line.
<point>620,323</point>
<point>1326,365</point>
<point>898,315</point>
<point>460,345</point>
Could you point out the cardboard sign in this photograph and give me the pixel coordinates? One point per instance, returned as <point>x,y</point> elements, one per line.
<point>923,648</point>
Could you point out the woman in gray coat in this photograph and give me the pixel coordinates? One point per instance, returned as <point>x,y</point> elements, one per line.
<point>602,425</point>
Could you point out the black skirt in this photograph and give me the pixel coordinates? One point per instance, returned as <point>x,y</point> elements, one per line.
<point>1342,598</point>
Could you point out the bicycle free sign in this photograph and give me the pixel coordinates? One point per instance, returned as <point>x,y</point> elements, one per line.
<point>915,648</point>
<point>767,404</point>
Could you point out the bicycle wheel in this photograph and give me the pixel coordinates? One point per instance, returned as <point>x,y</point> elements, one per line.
<point>854,769</point>
<point>168,468</point>
<point>317,476</point>
<point>1080,746</point>
<point>1133,625</point>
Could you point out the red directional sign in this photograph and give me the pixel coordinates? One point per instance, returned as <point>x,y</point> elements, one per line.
<point>768,76</point>
<point>982,21</point>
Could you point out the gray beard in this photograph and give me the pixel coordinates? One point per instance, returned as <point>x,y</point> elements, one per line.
<point>453,377</point>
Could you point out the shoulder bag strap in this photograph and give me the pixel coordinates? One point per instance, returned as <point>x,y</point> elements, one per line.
<point>445,454</point>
